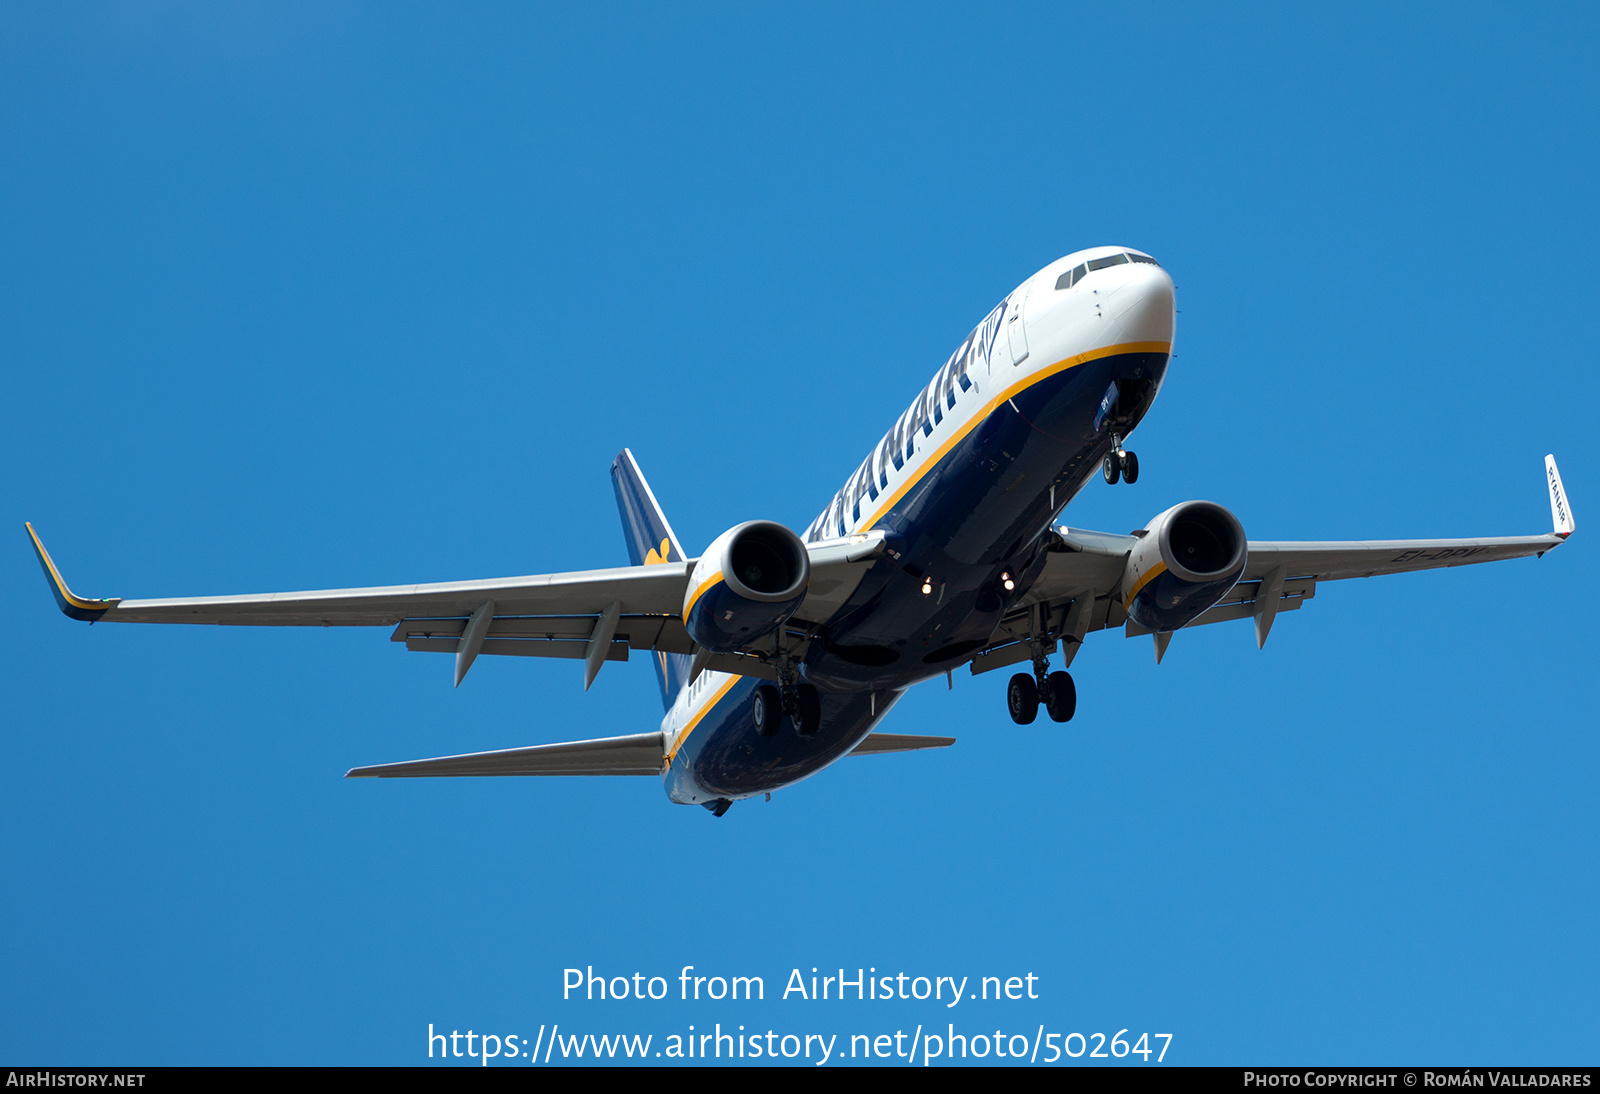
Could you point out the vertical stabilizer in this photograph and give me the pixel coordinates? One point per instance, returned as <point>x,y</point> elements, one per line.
<point>650,542</point>
<point>1560,511</point>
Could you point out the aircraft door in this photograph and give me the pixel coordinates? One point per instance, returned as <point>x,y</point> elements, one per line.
<point>1016,332</point>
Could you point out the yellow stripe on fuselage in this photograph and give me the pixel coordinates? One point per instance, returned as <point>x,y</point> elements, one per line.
<point>703,711</point>
<point>698,593</point>
<point>932,461</point>
<point>1144,579</point>
<point>994,404</point>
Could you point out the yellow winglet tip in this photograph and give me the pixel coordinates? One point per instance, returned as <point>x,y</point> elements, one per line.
<point>71,605</point>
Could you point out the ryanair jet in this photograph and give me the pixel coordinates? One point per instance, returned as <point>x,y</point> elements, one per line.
<point>778,653</point>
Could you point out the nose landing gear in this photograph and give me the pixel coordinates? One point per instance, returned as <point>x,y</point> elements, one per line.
<point>1120,463</point>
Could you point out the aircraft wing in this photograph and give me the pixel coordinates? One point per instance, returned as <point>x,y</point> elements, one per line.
<point>1079,590</point>
<point>637,590</point>
<point>640,589</point>
<point>592,615</point>
<point>1289,572</point>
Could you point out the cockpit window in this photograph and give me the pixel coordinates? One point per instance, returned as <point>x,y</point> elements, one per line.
<point>1077,273</point>
<point>1071,277</point>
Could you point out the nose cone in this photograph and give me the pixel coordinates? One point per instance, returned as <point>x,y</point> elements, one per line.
<point>1142,306</point>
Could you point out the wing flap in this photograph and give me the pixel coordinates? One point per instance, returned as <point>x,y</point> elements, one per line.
<point>638,754</point>
<point>1222,613</point>
<point>568,637</point>
<point>640,632</point>
<point>521,647</point>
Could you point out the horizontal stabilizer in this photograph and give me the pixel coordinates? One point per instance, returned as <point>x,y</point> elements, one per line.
<point>898,742</point>
<point>638,754</point>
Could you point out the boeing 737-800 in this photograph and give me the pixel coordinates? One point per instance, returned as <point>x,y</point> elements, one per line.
<point>778,653</point>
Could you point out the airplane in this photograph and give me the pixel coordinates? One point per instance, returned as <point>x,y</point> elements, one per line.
<point>778,654</point>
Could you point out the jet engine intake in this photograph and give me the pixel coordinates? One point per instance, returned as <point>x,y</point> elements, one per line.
<point>749,581</point>
<point>1186,561</point>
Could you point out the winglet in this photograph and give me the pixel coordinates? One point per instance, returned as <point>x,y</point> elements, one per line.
<point>1560,511</point>
<point>74,607</point>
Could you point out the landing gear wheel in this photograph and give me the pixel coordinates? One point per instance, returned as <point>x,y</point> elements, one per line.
<point>768,710</point>
<point>1130,468</point>
<point>807,710</point>
<point>1060,696</point>
<point>1022,699</point>
<point>1111,468</point>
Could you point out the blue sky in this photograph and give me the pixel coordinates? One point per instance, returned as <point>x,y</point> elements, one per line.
<point>299,296</point>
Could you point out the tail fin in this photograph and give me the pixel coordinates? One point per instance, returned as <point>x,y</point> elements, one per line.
<point>650,541</point>
<point>1560,511</point>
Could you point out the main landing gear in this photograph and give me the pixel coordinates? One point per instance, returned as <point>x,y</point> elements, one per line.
<point>799,701</point>
<point>1120,463</point>
<point>790,697</point>
<point>1056,689</point>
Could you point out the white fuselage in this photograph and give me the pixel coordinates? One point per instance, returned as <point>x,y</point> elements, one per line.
<point>1038,331</point>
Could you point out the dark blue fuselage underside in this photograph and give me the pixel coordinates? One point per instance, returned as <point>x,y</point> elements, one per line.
<point>984,510</point>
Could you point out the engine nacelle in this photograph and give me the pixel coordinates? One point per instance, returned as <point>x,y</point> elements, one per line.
<point>1189,557</point>
<point>749,581</point>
